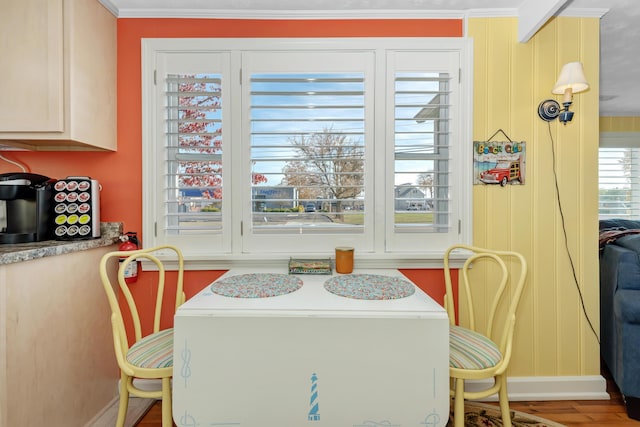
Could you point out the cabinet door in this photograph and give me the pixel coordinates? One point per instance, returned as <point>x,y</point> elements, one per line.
<point>31,75</point>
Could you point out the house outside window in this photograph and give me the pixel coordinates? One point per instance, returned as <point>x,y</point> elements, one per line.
<point>269,148</point>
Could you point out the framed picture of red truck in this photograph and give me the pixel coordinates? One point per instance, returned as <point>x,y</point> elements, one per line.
<point>499,163</point>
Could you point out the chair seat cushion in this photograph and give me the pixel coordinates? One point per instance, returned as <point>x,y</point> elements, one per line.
<point>153,351</point>
<point>470,350</point>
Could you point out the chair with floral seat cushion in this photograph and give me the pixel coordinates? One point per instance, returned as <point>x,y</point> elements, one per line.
<point>482,349</point>
<point>149,356</point>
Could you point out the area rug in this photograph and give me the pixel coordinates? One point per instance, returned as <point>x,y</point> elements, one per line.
<point>483,415</point>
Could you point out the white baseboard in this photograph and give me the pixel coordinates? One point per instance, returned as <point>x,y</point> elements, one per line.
<point>95,420</point>
<point>137,406</point>
<point>591,387</point>
<point>108,415</point>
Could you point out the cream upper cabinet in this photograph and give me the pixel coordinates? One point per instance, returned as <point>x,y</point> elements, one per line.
<point>57,75</point>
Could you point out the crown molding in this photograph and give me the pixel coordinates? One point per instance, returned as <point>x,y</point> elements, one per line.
<point>108,4</point>
<point>578,12</point>
<point>290,14</point>
<point>156,12</point>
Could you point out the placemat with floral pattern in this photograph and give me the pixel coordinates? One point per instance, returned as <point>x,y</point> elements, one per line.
<point>256,285</point>
<point>369,286</point>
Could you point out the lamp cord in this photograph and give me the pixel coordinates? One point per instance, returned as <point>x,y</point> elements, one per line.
<point>566,240</point>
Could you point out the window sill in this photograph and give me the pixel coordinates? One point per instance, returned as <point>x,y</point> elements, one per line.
<point>362,261</point>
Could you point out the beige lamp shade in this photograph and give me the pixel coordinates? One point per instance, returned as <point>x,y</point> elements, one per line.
<point>571,77</point>
<point>570,81</point>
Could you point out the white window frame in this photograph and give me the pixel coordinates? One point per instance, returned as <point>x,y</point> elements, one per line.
<point>271,61</point>
<point>623,140</point>
<point>383,247</point>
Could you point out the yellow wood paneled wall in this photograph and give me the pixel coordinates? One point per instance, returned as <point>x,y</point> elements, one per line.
<point>620,124</point>
<point>552,336</point>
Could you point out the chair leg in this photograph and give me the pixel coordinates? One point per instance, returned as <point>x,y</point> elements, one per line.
<point>124,400</point>
<point>167,420</point>
<point>458,404</point>
<point>504,401</point>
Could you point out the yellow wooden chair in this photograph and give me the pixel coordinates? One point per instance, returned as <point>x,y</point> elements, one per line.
<point>482,350</point>
<point>149,356</point>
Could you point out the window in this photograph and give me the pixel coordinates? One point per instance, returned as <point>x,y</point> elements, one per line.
<point>619,175</point>
<point>269,148</point>
<point>194,151</point>
<point>307,133</point>
<point>310,135</point>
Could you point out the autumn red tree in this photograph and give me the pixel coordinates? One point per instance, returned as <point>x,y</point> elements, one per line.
<point>200,135</point>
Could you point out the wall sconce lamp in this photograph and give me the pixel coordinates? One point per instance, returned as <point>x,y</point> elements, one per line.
<point>570,81</point>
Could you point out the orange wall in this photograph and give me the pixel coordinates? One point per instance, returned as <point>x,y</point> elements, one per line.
<point>432,282</point>
<point>120,172</point>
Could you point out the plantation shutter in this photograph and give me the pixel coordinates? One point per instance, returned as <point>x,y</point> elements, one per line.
<point>307,150</point>
<point>619,182</point>
<point>261,149</point>
<point>193,172</point>
<point>421,150</point>
<point>309,132</point>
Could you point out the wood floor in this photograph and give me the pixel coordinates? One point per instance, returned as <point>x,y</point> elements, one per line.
<point>575,413</point>
<point>572,413</point>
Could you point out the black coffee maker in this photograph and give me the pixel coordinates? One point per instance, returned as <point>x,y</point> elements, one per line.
<point>25,205</point>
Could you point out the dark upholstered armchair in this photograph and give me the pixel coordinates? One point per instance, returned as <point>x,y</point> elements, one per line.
<point>620,306</point>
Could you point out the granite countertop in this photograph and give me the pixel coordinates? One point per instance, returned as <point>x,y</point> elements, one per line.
<point>11,253</point>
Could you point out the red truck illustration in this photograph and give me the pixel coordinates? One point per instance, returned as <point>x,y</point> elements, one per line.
<point>503,173</point>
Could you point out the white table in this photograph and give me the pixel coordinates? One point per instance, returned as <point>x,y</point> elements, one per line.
<point>310,358</point>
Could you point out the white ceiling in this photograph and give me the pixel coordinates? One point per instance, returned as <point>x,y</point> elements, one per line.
<point>620,32</point>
